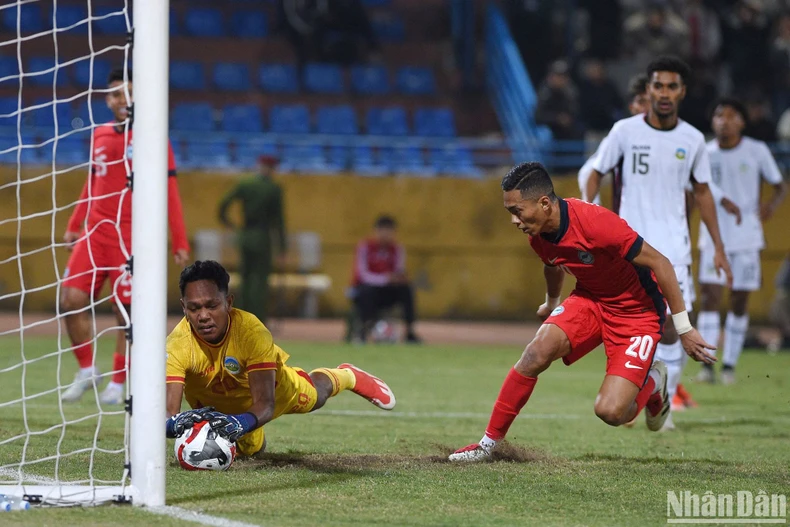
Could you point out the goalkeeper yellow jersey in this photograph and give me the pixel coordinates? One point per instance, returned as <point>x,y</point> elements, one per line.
<point>218,374</point>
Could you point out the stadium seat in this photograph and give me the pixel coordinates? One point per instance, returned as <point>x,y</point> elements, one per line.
<point>389,27</point>
<point>192,117</point>
<point>245,118</point>
<point>341,120</point>
<point>187,75</point>
<point>249,24</point>
<point>204,22</point>
<point>9,69</point>
<point>337,157</point>
<point>207,154</point>
<point>278,78</point>
<point>230,76</point>
<point>365,163</point>
<point>248,152</point>
<point>376,3</point>
<point>304,158</point>
<point>71,150</point>
<point>174,27</point>
<point>40,64</point>
<point>370,80</point>
<point>101,114</point>
<point>454,161</point>
<point>294,119</point>
<point>114,22</point>
<point>30,19</point>
<point>29,155</point>
<point>69,15</point>
<point>407,160</point>
<point>387,121</point>
<point>81,73</point>
<point>323,78</point>
<point>416,81</point>
<point>43,117</point>
<point>434,122</point>
<point>8,105</point>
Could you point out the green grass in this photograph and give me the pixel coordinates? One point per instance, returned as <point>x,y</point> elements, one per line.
<point>334,469</point>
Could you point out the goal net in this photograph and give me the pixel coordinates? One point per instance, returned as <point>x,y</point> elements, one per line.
<point>55,57</point>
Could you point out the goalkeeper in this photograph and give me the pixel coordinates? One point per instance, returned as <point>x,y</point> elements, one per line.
<point>224,362</point>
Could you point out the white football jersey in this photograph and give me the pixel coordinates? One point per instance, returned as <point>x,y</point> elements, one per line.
<point>655,167</point>
<point>584,176</point>
<point>738,171</point>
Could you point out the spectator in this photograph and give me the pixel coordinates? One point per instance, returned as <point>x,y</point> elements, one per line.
<point>260,236</point>
<point>599,101</point>
<point>654,32</point>
<point>704,29</point>
<point>780,306</point>
<point>700,91</point>
<point>558,103</point>
<point>605,27</point>
<point>746,46</point>
<point>761,126</point>
<point>780,64</point>
<point>380,280</point>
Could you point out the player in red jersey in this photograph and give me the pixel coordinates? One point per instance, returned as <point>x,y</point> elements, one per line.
<point>617,301</point>
<point>99,234</point>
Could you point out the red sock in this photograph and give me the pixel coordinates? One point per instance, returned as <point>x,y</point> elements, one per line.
<point>118,366</point>
<point>644,395</point>
<point>84,354</point>
<point>513,396</point>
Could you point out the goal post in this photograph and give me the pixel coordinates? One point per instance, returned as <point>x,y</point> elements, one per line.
<point>149,252</point>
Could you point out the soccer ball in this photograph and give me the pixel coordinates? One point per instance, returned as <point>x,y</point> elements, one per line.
<point>200,448</point>
<point>384,332</point>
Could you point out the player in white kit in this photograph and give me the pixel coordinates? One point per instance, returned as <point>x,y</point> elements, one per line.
<point>637,104</point>
<point>738,164</point>
<point>658,154</point>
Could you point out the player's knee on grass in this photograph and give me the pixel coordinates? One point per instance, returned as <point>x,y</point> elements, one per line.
<point>711,297</point>
<point>739,300</point>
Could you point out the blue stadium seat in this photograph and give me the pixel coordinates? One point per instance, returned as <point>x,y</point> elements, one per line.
<point>207,154</point>
<point>278,78</point>
<point>30,20</point>
<point>82,73</point>
<point>43,117</point>
<point>407,160</point>
<point>337,157</point>
<point>389,27</point>
<point>204,22</point>
<point>113,24</point>
<point>365,163</point>
<point>248,152</point>
<point>37,64</point>
<point>8,105</point>
<point>305,158</point>
<point>341,120</point>
<point>245,118</point>
<point>69,15</point>
<point>187,75</point>
<point>293,119</point>
<point>175,29</point>
<point>370,80</point>
<point>249,24</point>
<point>434,122</point>
<point>101,114</point>
<point>323,78</point>
<point>231,76</point>
<point>387,121</point>
<point>376,3</point>
<point>455,161</point>
<point>192,117</point>
<point>416,81</point>
<point>29,155</point>
<point>9,69</point>
<point>71,150</point>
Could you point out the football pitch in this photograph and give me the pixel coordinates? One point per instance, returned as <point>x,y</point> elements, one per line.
<point>353,464</point>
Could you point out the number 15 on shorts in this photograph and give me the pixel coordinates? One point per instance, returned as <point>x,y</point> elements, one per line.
<point>640,348</point>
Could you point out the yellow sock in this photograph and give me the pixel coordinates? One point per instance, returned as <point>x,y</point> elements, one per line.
<point>341,379</point>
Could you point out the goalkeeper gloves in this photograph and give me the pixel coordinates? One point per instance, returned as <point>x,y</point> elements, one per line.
<point>232,427</point>
<point>176,425</point>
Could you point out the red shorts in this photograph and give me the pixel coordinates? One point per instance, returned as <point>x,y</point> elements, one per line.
<point>629,339</point>
<point>95,259</point>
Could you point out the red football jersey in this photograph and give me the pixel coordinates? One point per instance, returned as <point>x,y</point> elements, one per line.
<point>374,262</point>
<point>597,247</point>
<point>111,163</point>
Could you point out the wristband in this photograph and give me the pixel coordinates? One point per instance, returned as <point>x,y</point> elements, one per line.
<point>551,303</point>
<point>682,323</point>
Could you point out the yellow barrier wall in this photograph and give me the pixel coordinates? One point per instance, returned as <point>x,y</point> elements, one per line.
<point>461,248</point>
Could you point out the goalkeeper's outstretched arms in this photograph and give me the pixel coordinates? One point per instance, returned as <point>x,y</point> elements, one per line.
<point>232,427</point>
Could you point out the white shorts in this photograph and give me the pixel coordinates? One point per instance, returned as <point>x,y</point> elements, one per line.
<point>745,267</point>
<point>686,286</point>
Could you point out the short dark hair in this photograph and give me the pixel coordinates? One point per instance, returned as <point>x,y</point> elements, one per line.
<point>205,270</point>
<point>531,179</point>
<point>733,103</point>
<point>116,75</point>
<point>670,63</point>
<point>637,85</point>
<point>385,222</point>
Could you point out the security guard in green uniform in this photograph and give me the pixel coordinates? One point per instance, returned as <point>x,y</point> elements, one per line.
<point>263,228</point>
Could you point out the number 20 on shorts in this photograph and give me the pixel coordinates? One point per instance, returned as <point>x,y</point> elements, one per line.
<point>640,347</point>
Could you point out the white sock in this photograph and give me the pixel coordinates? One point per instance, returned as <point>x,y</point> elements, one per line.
<point>86,371</point>
<point>487,442</point>
<point>669,352</point>
<point>709,327</point>
<point>653,374</point>
<point>114,385</point>
<point>734,335</point>
<point>674,372</point>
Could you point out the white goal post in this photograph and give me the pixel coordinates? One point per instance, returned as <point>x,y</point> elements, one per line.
<point>138,467</point>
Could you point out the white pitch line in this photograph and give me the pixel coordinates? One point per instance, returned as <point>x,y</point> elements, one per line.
<point>196,517</point>
<point>437,415</point>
